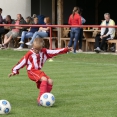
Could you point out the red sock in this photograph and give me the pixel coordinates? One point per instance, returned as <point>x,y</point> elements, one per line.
<point>38,84</point>
<point>43,89</point>
<point>49,88</point>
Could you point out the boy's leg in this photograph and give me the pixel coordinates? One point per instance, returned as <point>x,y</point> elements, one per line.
<point>41,80</point>
<point>49,85</point>
<point>43,87</point>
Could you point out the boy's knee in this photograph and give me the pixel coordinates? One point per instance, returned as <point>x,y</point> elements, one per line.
<point>44,79</point>
<point>50,81</point>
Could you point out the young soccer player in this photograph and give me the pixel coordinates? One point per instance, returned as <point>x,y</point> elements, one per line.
<point>34,60</point>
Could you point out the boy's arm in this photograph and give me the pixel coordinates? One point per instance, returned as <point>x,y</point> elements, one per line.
<point>19,65</point>
<point>52,53</point>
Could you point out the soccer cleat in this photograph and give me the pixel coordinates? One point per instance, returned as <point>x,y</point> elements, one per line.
<point>21,42</point>
<point>28,43</point>
<point>38,102</point>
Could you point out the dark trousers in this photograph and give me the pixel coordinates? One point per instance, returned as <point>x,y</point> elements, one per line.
<point>101,42</point>
<point>74,34</point>
<point>80,38</point>
<point>1,32</point>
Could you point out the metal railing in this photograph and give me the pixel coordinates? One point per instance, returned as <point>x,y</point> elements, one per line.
<point>58,27</point>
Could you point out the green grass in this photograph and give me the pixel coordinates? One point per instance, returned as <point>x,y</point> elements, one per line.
<point>85,85</point>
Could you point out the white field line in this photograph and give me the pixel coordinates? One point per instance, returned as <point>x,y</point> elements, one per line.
<point>100,64</point>
<point>70,62</point>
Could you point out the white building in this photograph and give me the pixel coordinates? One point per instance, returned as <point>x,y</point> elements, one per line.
<point>14,7</point>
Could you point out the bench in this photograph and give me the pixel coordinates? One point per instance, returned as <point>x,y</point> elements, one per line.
<point>90,44</point>
<point>47,42</point>
<point>14,43</point>
<point>90,41</point>
<point>65,41</point>
<point>111,42</point>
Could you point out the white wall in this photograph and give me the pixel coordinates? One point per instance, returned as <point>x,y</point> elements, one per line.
<point>14,7</point>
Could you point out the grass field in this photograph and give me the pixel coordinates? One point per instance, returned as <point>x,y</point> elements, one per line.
<point>85,85</point>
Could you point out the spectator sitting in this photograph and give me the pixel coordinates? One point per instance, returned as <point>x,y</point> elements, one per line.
<point>15,31</point>
<point>28,34</point>
<point>42,32</point>
<point>106,33</point>
<point>7,20</point>
<point>29,20</point>
<point>34,16</point>
<point>1,27</point>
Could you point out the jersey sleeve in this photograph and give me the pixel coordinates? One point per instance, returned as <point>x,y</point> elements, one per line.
<point>52,53</point>
<point>21,63</point>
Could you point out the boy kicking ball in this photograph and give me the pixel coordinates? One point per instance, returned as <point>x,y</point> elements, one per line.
<point>34,60</point>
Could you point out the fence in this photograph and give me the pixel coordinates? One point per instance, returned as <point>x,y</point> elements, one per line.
<point>59,26</point>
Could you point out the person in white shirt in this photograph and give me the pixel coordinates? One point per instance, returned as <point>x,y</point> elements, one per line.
<point>106,33</point>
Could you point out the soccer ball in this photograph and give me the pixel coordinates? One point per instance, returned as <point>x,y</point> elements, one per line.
<point>5,107</point>
<point>47,99</point>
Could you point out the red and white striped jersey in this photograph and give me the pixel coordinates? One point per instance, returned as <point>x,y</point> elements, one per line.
<point>35,61</point>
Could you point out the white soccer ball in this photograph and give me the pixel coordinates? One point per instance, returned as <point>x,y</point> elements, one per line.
<point>5,107</point>
<point>47,99</point>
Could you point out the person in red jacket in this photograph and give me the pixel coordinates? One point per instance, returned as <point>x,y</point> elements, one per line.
<point>34,60</point>
<point>74,19</point>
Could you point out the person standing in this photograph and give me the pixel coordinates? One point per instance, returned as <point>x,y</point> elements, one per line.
<point>74,19</point>
<point>34,60</point>
<point>81,30</point>
<point>1,27</point>
<point>106,33</point>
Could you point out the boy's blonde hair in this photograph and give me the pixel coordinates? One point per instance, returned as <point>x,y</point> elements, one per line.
<point>38,42</point>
